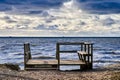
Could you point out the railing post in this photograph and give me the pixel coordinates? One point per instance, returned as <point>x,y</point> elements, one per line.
<point>27,53</point>
<point>81,47</point>
<point>88,53</point>
<point>58,54</point>
<point>88,48</point>
<point>24,56</point>
<point>91,56</point>
<point>85,47</point>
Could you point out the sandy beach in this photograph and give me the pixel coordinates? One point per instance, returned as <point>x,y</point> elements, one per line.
<point>111,72</point>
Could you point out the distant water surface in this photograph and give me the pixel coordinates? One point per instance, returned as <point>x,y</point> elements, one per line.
<point>106,50</point>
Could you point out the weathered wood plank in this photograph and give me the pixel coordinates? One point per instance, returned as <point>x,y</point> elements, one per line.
<point>83,53</point>
<point>27,53</point>
<point>71,62</point>
<point>74,43</point>
<point>54,62</point>
<point>41,68</point>
<point>42,62</point>
<point>74,51</point>
<point>70,43</point>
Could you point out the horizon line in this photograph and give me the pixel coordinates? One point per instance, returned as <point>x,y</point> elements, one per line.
<point>58,36</point>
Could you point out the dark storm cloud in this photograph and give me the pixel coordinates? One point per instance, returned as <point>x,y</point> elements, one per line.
<point>29,6</point>
<point>100,6</point>
<point>91,6</point>
<point>35,12</point>
<point>33,2</point>
<point>4,7</point>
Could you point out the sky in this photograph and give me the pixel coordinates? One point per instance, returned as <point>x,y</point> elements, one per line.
<point>55,18</point>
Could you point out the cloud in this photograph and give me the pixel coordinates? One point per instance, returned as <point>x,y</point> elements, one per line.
<point>35,12</point>
<point>9,27</point>
<point>46,27</point>
<point>68,20</point>
<point>9,19</point>
<point>40,27</point>
<point>100,6</point>
<point>108,22</point>
<point>22,27</point>
<point>45,13</point>
<point>38,6</point>
<point>53,27</point>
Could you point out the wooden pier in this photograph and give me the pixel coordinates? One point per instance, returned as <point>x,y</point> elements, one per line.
<point>85,55</point>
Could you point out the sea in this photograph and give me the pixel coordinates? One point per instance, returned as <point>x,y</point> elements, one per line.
<point>106,50</point>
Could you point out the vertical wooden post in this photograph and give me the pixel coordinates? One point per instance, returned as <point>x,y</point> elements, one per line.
<point>58,55</point>
<point>27,53</point>
<point>88,53</point>
<point>85,51</point>
<point>85,47</point>
<point>91,56</point>
<point>56,51</point>
<point>81,47</point>
<point>24,57</point>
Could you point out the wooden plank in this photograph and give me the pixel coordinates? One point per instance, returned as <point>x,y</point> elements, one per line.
<point>88,43</point>
<point>74,51</point>
<point>54,62</point>
<point>70,43</point>
<point>83,53</point>
<point>41,68</point>
<point>73,43</point>
<point>42,62</point>
<point>71,62</point>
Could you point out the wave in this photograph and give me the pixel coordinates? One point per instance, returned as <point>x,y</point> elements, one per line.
<point>44,57</point>
<point>106,61</point>
<point>107,52</point>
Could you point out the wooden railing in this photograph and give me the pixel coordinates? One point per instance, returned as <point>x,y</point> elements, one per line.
<point>85,53</point>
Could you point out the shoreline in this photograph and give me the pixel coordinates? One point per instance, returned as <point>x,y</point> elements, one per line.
<point>105,73</point>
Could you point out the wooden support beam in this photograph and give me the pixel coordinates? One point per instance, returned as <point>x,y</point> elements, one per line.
<point>74,51</point>
<point>58,55</point>
<point>27,53</point>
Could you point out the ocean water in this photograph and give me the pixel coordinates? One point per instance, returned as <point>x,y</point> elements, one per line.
<point>106,50</point>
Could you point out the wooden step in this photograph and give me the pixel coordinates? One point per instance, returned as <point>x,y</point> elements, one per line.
<point>83,53</point>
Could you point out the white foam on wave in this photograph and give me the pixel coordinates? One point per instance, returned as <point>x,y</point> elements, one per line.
<point>117,51</point>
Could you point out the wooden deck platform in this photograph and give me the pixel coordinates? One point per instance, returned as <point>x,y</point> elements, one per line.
<point>54,62</point>
<point>32,64</point>
<point>85,58</point>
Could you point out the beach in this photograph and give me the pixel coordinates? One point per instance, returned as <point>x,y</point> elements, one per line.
<point>110,72</point>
